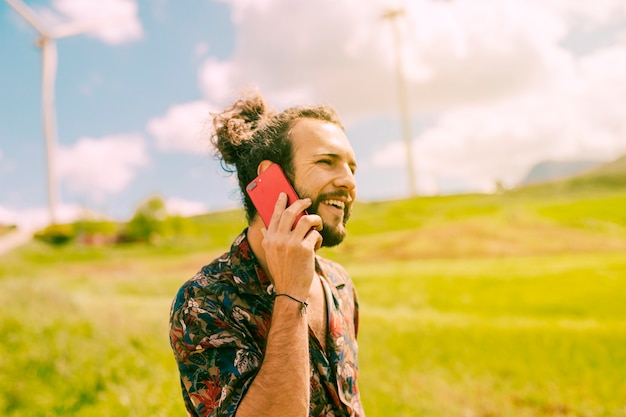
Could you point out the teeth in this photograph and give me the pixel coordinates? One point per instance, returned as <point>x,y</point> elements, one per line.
<point>336,203</point>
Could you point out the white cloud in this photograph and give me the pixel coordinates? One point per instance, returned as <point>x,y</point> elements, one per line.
<point>35,218</point>
<point>454,52</point>
<point>114,21</point>
<point>185,208</point>
<point>494,76</point>
<point>476,54</point>
<point>582,117</point>
<point>103,166</point>
<point>183,128</point>
<point>587,13</point>
<point>281,58</point>
<point>218,79</point>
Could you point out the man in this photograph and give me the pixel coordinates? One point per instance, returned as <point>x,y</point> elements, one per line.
<point>269,328</point>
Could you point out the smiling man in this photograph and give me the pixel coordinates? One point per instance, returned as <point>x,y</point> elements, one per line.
<point>269,328</point>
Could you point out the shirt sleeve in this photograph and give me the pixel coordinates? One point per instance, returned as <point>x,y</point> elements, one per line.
<point>217,360</point>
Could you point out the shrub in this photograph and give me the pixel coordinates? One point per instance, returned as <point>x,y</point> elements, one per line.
<point>57,234</point>
<point>147,222</point>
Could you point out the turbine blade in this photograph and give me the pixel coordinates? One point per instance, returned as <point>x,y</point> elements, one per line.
<point>28,15</point>
<point>81,26</point>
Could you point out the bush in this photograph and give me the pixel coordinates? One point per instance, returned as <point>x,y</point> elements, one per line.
<point>147,224</point>
<point>57,234</point>
<point>96,232</point>
<point>5,229</point>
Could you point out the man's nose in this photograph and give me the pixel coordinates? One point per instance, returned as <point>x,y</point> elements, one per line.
<point>345,178</point>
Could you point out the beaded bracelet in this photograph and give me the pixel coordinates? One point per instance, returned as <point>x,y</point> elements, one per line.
<point>303,304</point>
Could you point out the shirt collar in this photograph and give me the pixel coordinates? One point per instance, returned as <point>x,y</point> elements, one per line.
<point>328,270</point>
<point>247,273</point>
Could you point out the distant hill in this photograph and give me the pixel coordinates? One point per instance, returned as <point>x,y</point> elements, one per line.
<point>617,167</point>
<point>556,170</point>
<point>611,175</point>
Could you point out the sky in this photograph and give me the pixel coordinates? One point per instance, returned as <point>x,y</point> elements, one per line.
<point>492,87</point>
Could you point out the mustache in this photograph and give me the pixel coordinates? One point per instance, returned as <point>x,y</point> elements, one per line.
<point>347,211</point>
<point>333,195</point>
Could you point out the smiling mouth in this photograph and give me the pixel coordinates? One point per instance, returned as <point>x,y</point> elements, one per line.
<point>335,203</point>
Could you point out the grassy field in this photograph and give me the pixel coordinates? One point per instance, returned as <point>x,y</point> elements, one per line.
<point>472,306</point>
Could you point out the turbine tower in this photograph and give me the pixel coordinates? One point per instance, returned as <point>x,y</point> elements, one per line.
<point>393,15</point>
<point>47,43</point>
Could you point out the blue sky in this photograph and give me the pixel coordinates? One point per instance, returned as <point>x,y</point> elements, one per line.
<point>493,87</point>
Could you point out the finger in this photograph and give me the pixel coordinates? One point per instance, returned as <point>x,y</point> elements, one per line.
<point>319,242</point>
<point>289,215</point>
<point>313,239</point>
<point>308,222</point>
<point>279,208</point>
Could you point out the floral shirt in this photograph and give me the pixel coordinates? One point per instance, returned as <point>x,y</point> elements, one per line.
<point>218,328</point>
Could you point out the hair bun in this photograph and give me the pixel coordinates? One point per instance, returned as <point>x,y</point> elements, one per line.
<point>235,126</point>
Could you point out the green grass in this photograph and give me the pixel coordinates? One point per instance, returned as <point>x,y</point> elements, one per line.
<point>482,306</point>
<point>495,337</point>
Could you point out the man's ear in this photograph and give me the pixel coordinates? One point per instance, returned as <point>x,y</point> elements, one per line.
<point>265,164</point>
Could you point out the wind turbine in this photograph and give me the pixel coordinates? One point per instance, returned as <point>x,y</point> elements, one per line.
<point>47,43</point>
<point>393,15</point>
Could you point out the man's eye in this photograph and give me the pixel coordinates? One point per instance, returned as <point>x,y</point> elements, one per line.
<point>325,161</point>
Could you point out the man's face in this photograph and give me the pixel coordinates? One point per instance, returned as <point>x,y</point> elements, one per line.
<point>324,166</point>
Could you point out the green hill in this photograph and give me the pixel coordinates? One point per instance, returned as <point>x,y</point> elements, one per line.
<point>608,176</point>
<point>615,168</point>
<point>580,214</point>
<point>486,226</point>
<point>509,304</point>
<point>553,170</point>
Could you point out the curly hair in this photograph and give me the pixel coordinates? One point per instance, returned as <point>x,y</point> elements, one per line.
<point>249,132</point>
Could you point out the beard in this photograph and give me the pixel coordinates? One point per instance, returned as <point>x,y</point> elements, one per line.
<point>332,235</point>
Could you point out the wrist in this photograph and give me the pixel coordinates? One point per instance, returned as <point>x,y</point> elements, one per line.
<point>302,303</point>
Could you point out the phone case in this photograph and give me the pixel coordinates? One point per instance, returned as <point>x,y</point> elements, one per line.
<point>265,189</point>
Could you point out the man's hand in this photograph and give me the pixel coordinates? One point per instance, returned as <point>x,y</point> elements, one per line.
<point>282,385</point>
<point>290,254</point>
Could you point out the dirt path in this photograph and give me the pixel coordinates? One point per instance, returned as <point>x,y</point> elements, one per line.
<point>14,239</point>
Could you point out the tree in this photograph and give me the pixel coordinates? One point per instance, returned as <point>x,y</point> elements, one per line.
<point>147,224</point>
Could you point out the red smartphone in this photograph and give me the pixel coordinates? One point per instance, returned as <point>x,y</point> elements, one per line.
<point>265,189</point>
